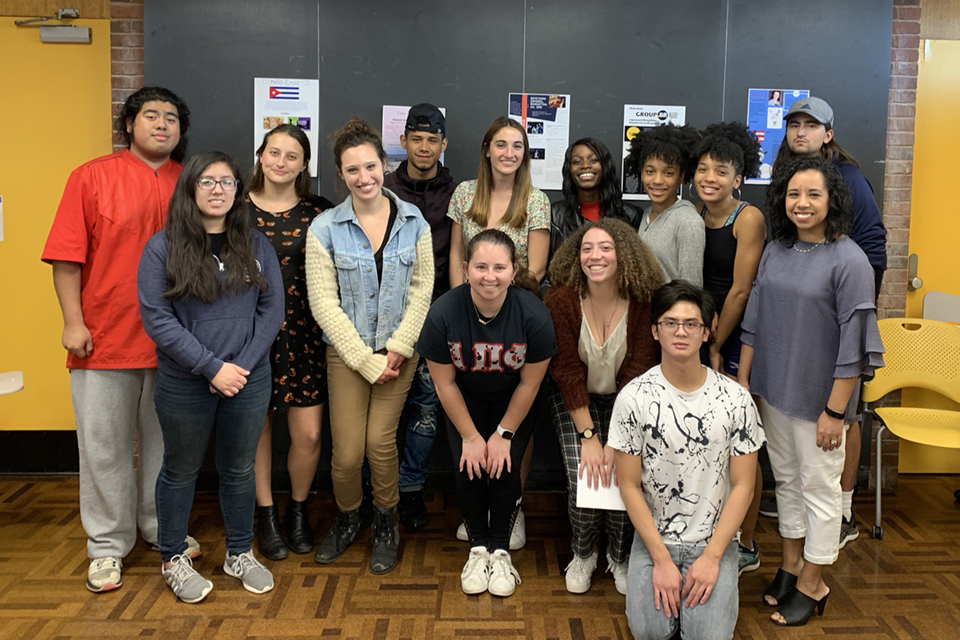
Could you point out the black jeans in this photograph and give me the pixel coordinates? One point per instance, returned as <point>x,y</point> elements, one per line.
<point>498,497</point>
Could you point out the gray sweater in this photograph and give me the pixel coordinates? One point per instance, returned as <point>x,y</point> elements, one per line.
<point>677,238</point>
<point>811,319</point>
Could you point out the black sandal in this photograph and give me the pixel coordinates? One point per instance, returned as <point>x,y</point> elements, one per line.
<point>782,586</point>
<point>798,608</point>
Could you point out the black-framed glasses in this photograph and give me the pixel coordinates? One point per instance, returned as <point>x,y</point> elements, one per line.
<point>228,184</point>
<point>690,326</point>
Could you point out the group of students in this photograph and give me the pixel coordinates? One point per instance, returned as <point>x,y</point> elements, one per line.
<point>264,298</point>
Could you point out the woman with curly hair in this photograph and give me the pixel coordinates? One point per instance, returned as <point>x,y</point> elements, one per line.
<point>735,235</point>
<point>809,332</point>
<point>591,191</point>
<point>665,158</point>
<point>603,278</point>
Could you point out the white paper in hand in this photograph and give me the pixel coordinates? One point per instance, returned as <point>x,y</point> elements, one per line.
<point>599,498</point>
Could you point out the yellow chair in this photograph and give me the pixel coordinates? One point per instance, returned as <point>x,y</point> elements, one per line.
<point>922,354</point>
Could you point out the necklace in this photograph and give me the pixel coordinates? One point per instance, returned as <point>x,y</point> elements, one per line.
<point>810,249</point>
<point>606,325</point>
<point>480,318</point>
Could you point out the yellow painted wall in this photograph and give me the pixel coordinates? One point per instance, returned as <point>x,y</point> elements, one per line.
<point>55,114</point>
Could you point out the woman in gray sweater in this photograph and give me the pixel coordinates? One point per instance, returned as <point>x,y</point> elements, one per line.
<point>665,158</point>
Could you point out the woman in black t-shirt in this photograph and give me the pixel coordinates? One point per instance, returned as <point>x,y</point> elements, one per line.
<point>488,344</point>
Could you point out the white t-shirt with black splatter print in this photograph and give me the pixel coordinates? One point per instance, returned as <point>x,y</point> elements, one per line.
<point>685,441</point>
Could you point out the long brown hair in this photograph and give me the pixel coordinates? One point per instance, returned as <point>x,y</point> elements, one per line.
<point>638,272</point>
<point>516,214</point>
<point>191,270</point>
<point>303,179</point>
<point>524,279</point>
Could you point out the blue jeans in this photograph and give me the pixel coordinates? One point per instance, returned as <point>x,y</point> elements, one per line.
<point>421,430</point>
<point>713,620</point>
<point>188,415</point>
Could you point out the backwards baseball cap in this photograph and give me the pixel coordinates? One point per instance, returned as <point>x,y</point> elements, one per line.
<point>426,117</point>
<point>814,107</point>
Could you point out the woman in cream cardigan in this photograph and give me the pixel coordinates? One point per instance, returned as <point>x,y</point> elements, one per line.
<point>369,278</point>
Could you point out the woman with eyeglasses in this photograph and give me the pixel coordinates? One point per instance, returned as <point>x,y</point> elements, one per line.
<point>809,332</point>
<point>603,279</point>
<point>211,298</point>
<point>282,207</point>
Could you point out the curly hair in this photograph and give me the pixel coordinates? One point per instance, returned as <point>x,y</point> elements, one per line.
<point>732,142</point>
<point>611,199</point>
<point>638,272</point>
<point>670,144</point>
<point>134,103</point>
<point>839,215</point>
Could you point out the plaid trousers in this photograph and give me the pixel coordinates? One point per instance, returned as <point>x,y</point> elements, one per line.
<point>585,523</point>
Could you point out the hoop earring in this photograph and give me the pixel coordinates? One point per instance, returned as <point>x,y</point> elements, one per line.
<point>738,193</point>
<point>692,191</point>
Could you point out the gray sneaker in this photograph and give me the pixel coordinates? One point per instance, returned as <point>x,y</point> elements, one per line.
<point>188,585</point>
<point>848,529</point>
<point>255,577</point>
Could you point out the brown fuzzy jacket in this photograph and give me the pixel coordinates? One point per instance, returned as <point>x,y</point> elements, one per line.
<point>569,371</point>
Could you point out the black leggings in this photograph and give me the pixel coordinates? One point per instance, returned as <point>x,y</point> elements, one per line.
<point>480,496</point>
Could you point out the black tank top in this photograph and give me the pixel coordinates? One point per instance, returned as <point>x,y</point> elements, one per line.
<point>719,255</point>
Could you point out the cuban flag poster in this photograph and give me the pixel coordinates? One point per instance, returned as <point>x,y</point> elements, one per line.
<point>278,101</point>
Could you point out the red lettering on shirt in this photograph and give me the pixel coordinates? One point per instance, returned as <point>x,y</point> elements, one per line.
<point>456,354</point>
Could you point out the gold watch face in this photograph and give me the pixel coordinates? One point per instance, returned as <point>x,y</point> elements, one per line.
<point>587,434</point>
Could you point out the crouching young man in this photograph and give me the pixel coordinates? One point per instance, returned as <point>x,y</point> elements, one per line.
<point>686,440</point>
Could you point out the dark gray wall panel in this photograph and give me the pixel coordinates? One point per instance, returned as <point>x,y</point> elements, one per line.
<point>838,50</point>
<point>208,53</point>
<point>464,56</point>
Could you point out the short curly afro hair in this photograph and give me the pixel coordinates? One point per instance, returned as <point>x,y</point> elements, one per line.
<point>670,144</point>
<point>732,142</point>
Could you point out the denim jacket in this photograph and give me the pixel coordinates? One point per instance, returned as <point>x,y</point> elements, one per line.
<point>375,309</point>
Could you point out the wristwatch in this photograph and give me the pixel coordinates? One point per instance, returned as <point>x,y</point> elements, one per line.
<point>836,415</point>
<point>587,434</point>
<point>506,434</point>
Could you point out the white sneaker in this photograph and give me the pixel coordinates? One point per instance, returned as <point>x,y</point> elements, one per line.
<point>462,532</point>
<point>518,536</point>
<point>476,573</point>
<point>188,585</point>
<point>503,577</point>
<point>619,571</point>
<point>104,574</point>
<point>579,572</point>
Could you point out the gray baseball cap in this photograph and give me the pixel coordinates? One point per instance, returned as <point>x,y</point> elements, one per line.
<point>813,107</point>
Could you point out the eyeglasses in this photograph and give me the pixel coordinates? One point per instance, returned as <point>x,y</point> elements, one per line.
<point>690,326</point>
<point>228,184</point>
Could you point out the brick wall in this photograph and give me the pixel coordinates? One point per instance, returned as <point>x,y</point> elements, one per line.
<point>126,53</point>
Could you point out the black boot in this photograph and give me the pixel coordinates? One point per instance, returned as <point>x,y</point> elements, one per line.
<point>366,507</point>
<point>413,512</point>
<point>269,538</point>
<point>385,540</point>
<point>297,523</point>
<point>343,532</point>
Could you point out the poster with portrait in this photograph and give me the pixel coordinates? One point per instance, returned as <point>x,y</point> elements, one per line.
<point>279,101</point>
<point>394,125</point>
<point>546,119</point>
<point>637,118</point>
<point>765,111</point>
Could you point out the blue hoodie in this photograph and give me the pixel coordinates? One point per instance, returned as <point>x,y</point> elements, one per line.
<point>868,230</point>
<point>195,338</point>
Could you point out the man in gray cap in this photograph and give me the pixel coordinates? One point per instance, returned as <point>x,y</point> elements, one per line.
<point>422,180</point>
<point>809,123</point>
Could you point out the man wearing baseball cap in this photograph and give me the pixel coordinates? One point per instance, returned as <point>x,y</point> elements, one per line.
<point>422,180</point>
<point>809,123</point>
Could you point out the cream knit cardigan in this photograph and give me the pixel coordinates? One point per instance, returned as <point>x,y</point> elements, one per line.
<point>322,291</point>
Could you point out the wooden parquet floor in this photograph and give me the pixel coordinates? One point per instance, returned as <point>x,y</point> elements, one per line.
<point>906,586</point>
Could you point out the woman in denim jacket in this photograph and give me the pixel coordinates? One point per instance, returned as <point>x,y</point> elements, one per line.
<point>369,279</point>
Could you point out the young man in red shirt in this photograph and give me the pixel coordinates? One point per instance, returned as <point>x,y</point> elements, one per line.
<point>109,209</point>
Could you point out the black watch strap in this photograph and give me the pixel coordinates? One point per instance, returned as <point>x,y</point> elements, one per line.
<point>837,415</point>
